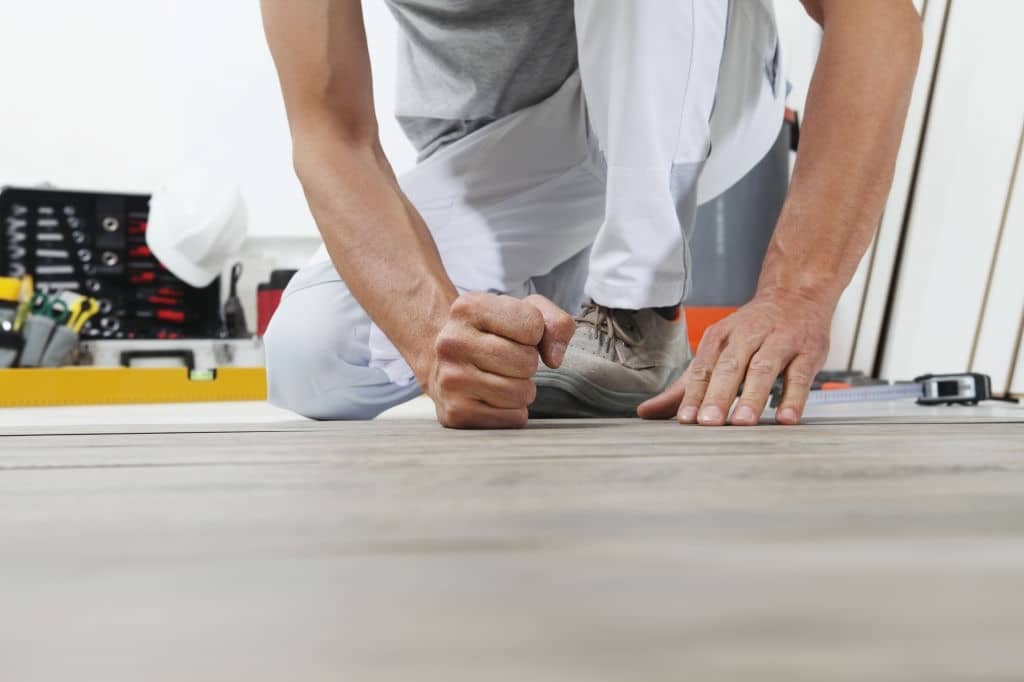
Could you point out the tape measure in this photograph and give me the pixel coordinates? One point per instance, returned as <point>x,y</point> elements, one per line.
<point>929,389</point>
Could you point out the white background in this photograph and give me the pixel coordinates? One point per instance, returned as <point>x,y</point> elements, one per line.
<point>118,94</point>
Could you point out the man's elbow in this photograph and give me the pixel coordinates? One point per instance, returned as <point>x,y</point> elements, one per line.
<point>902,14</point>
<point>915,31</point>
<point>897,20</point>
<point>814,10</point>
<point>908,33</point>
<point>330,139</point>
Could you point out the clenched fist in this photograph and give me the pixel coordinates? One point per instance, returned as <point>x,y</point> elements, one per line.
<point>486,354</point>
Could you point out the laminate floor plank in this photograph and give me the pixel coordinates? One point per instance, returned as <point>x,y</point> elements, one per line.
<point>577,550</point>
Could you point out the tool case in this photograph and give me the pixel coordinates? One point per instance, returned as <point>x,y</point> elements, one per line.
<point>139,371</point>
<point>66,386</point>
<point>95,243</point>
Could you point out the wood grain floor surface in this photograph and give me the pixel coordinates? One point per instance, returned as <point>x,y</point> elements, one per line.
<point>576,550</point>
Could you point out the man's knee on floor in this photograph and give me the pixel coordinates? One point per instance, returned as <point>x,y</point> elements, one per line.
<point>306,373</point>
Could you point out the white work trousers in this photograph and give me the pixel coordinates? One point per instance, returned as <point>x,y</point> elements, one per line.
<point>589,193</point>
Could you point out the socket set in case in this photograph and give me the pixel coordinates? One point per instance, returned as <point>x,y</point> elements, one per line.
<point>95,244</point>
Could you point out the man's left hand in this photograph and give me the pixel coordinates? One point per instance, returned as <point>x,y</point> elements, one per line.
<point>775,334</point>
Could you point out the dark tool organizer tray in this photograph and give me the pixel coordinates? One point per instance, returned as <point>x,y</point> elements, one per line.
<point>95,244</point>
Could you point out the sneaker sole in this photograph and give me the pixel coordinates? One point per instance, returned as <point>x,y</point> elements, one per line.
<point>566,395</point>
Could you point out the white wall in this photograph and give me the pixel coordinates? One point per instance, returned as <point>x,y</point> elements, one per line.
<point>89,95</point>
<point>117,94</point>
<point>383,37</point>
<point>880,263</point>
<point>801,38</point>
<point>961,205</point>
<point>234,117</point>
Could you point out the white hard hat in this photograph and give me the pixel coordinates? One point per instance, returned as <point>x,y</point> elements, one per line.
<point>197,223</point>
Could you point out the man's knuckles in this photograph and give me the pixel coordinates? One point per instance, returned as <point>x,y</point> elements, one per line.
<point>713,337</point>
<point>456,416</point>
<point>727,365</point>
<point>450,344</point>
<point>699,373</point>
<point>522,362</point>
<point>558,323</point>
<point>762,367</point>
<point>799,377</point>
<point>527,393</point>
<point>467,306</point>
<point>450,378</point>
<point>456,378</point>
<point>532,323</point>
<point>471,415</point>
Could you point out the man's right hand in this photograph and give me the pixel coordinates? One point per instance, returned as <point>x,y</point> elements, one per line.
<point>486,354</point>
<point>479,364</point>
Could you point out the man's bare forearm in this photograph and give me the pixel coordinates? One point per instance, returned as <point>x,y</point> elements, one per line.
<point>375,237</point>
<point>856,109</point>
<point>377,240</point>
<point>473,354</point>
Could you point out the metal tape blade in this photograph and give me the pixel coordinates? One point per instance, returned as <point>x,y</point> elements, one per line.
<point>862,394</point>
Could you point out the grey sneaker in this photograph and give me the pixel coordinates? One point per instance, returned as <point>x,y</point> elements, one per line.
<point>616,360</point>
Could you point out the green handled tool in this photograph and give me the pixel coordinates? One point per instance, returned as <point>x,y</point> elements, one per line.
<point>53,308</point>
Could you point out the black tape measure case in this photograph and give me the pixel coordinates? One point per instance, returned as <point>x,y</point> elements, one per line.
<point>95,244</point>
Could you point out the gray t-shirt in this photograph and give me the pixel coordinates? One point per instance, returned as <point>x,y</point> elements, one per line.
<point>465,63</point>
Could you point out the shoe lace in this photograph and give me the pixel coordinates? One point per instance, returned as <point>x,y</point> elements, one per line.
<point>612,328</point>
